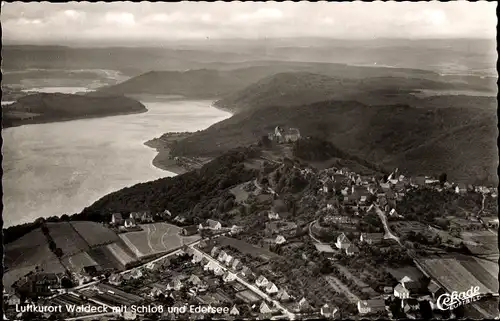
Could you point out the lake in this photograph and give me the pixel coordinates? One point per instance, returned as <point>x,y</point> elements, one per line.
<point>60,168</point>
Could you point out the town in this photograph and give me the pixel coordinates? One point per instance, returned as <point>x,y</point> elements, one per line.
<point>296,242</point>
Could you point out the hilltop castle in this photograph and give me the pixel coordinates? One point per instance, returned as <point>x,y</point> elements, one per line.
<point>282,136</point>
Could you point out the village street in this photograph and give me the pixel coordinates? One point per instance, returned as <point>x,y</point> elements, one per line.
<point>254,288</point>
<point>383,218</point>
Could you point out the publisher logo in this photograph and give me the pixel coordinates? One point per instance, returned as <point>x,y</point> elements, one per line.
<point>452,301</point>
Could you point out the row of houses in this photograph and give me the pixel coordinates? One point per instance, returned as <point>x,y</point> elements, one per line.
<point>134,219</point>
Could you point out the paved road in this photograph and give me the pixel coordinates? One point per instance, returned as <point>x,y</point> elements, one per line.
<point>311,234</point>
<point>250,286</point>
<point>383,218</point>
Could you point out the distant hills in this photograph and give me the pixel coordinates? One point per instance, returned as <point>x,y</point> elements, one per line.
<point>52,107</point>
<point>375,119</point>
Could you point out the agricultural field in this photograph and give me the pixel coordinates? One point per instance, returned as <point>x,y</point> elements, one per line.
<point>120,253</point>
<point>452,274</point>
<point>485,271</point>
<point>487,242</point>
<point>246,248</point>
<point>30,250</point>
<point>78,261</point>
<point>94,233</point>
<point>402,228</point>
<point>105,258</point>
<point>156,238</point>
<point>66,238</point>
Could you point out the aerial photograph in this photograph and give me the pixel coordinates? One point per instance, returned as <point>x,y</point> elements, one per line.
<point>250,160</point>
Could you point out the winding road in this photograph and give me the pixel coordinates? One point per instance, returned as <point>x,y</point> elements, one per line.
<point>383,218</point>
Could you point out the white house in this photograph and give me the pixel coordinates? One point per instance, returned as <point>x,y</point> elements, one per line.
<point>234,311</point>
<point>229,277</point>
<point>328,311</point>
<point>283,296</point>
<point>264,308</point>
<point>129,222</point>
<point>261,281</point>
<point>342,241</point>
<point>279,240</point>
<point>272,215</point>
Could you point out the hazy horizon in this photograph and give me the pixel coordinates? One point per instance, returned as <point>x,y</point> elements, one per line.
<point>155,24</point>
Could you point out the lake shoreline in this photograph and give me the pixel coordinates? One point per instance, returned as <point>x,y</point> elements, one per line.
<point>47,121</point>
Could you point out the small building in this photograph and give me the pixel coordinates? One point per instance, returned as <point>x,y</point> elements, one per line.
<point>214,225</point>
<point>264,308</point>
<point>351,250</point>
<point>129,222</point>
<point>371,238</point>
<point>283,295</point>
<point>411,305</point>
<point>214,252</point>
<point>146,217</point>
<point>229,277</point>
<point>195,280</point>
<point>175,284</point>
<point>189,230</point>
<point>229,260</point>
<point>328,311</point>
<point>271,288</point>
<point>261,281</point>
<point>393,212</point>
<point>13,300</point>
<point>400,291</point>
<point>279,240</point>
<point>158,289</point>
<point>371,306</point>
<point>326,249</point>
<point>490,221</point>
<point>342,241</point>
<point>236,264</point>
<point>303,306</point>
<point>180,219</point>
<point>234,311</point>
<point>273,215</point>
<point>222,256</point>
<point>116,219</point>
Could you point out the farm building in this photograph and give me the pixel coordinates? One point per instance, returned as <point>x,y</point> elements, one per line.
<point>116,219</point>
<point>371,306</point>
<point>325,249</point>
<point>189,230</point>
<point>211,224</point>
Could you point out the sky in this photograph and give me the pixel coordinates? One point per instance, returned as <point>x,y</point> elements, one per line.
<point>125,22</point>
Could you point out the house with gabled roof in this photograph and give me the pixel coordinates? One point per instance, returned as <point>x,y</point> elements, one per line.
<point>271,288</point>
<point>229,260</point>
<point>342,241</point>
<point>180,219</point>
<point>197,257</point>
<point>234,311</point>
<point>228,277</point>
<point>222,256</point>
<point>280,240</point>
<point>261,281</point>
<point>236,264</point>
<point>283,295</point>
<point>215,251</point>
<point>195,280</point>
<point>175,284</point>
<point>351,249</point>
<point>213,225</point>
<point>371,306</point>
<point>272,215</point>
<point>328,311</point>
<point>303,306</point>
<point>401,292</point>
<point>264,308</point>
<point>116,219</point>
